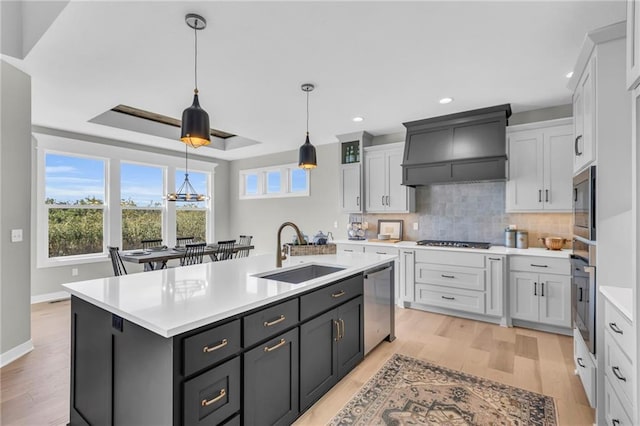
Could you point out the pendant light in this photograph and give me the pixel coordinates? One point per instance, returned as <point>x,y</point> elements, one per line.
<point>195,121</point>
<point>307,151</point>
<point>186,192</point>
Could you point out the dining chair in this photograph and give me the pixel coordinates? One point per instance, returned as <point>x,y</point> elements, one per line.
<point>244,240</point>
<point>183,241</point>
<point>116,261</point>
<point>193,254</point>
<point>224,250</point>
<point>156,242</point>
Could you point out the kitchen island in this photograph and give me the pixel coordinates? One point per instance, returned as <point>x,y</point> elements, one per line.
<point>217,343</point>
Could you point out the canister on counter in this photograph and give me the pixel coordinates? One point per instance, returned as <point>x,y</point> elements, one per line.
<point>522,240</point>
<point>510,238</point>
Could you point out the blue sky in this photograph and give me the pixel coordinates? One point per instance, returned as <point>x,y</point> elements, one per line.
<point>71,178</point>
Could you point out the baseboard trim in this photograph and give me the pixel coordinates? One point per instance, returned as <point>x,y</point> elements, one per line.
<point>15,353</point>
<point>50,297</point>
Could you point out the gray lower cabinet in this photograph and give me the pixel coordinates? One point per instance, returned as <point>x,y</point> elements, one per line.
<point>330,346</point>
<point>271,381</point>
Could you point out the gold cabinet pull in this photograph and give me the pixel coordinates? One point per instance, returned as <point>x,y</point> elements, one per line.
<point>337,324</point>
<point>222,344</point>
<point>222,394</point>
<point>274,322</point>
<point>273,348</point>
<point>342,324</point>
<point>338,294</point>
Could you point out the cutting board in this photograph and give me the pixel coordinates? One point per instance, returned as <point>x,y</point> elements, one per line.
<point>383,241</point>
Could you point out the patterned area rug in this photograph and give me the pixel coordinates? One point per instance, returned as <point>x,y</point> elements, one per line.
<point>408,391</point>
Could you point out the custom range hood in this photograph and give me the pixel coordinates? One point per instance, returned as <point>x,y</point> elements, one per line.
<point>467,146</point>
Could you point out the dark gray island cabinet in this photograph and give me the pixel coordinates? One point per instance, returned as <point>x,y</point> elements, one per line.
<point>261,367</point>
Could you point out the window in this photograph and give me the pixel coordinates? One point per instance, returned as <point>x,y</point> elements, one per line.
<point>271,182</point>
<point>141,189</point>
<point>75,205</point>
<point>91,195</point>
<point>191,217</point>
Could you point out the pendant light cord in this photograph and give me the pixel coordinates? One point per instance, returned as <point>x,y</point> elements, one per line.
<point>195,65</point>
<point>186,162</point>
<point>307,113</point>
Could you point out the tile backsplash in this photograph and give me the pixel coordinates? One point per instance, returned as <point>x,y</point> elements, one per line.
<point>472,212</point>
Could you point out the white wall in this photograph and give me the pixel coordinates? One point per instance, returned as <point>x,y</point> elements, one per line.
<point>15,180</point>
<point>262,217</point>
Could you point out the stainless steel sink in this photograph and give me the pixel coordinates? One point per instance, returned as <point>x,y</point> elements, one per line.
<point>301,274</point>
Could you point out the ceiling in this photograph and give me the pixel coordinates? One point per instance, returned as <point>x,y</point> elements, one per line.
<point>389,62</point>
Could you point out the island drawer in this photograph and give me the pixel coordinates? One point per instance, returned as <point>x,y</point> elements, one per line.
<point>460,277</point>
<point>209,347</point>
<point>619,369</point>
<point>212,396</point>
<point>451,298</point>
<point>620,329</point>
<point>537,264</point>
<point>269,322</point>
<point>330,296</point>
<point>614,412</point>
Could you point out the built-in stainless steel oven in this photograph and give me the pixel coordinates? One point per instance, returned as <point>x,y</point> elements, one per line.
<point>584,204</point>
<point>583,290</point>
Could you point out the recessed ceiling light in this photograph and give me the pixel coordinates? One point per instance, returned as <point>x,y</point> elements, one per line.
<point>569,74</point>
<point>446,100</point>
<point>358,119</point>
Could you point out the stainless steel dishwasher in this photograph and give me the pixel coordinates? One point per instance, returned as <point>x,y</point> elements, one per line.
<point>378,307</point>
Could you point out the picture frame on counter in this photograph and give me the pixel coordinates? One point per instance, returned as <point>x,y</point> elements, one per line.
<point>391,227</point>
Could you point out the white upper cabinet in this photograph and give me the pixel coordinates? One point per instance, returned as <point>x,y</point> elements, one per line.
<point>384,192</point>
<point>540,167</point>
<point>584,118</point>
<point>350,194</point>
<point>633,44</point>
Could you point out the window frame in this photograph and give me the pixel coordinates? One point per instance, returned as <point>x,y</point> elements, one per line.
<point>286,184</point>
<point>114,155</point>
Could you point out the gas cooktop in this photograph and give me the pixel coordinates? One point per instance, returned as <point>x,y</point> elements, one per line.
<point>456,244</point>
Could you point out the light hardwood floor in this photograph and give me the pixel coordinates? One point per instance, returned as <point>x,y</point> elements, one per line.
<point>35,389</point>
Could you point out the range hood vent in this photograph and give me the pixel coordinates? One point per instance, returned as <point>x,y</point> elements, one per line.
<point>467,146</point>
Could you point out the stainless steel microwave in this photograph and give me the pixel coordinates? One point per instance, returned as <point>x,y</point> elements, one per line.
<point>584,204</point>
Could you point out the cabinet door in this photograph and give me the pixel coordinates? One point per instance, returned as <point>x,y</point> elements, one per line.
<point>318,357</point>
<point>584,143</point>
<point>351,199</point>
<point>271,381</point>
<point>351,339</point>
<point>554,295</point>
<point>398,194</point>
<point>407,275</point>
<point>558,145</point>
<point>633,44</point>
<point>375,182</point>
<point>578,124</point>
<point>495,285</point>
<point>525,185</point>
<point>523,287</point>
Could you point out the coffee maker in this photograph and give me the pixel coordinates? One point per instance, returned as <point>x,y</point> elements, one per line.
<point>356,228</point>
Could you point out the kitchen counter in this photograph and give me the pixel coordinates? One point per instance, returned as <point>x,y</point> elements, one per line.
<point>621,298</point>
<point>534,251</point>
<point>173,301</point>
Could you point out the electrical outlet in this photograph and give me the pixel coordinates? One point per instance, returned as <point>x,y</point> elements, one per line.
<point>16,235</point>
<point>74,272</point>
<point>335,224</point>
<point>415,226</point>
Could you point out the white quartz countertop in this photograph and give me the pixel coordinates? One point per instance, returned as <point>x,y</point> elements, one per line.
<point>621,298</point>
<point>534,251</point>
<point>173,301</point>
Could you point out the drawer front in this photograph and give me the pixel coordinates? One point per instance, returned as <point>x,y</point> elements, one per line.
<point>350,248</point>
<point>465,278</point>
<point>543,265</point>
<point>613,407</point>
<point>381,250</point>
<point>269,322</point>
<point>330,296</point>
<point>209,347</point>
<point>446,257</point>
<point>620,329</point>
<point>585,367</point>
<point>462,300</point>
<point>619,369</point>
<point>212,396</point>
<point>234,421</point>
